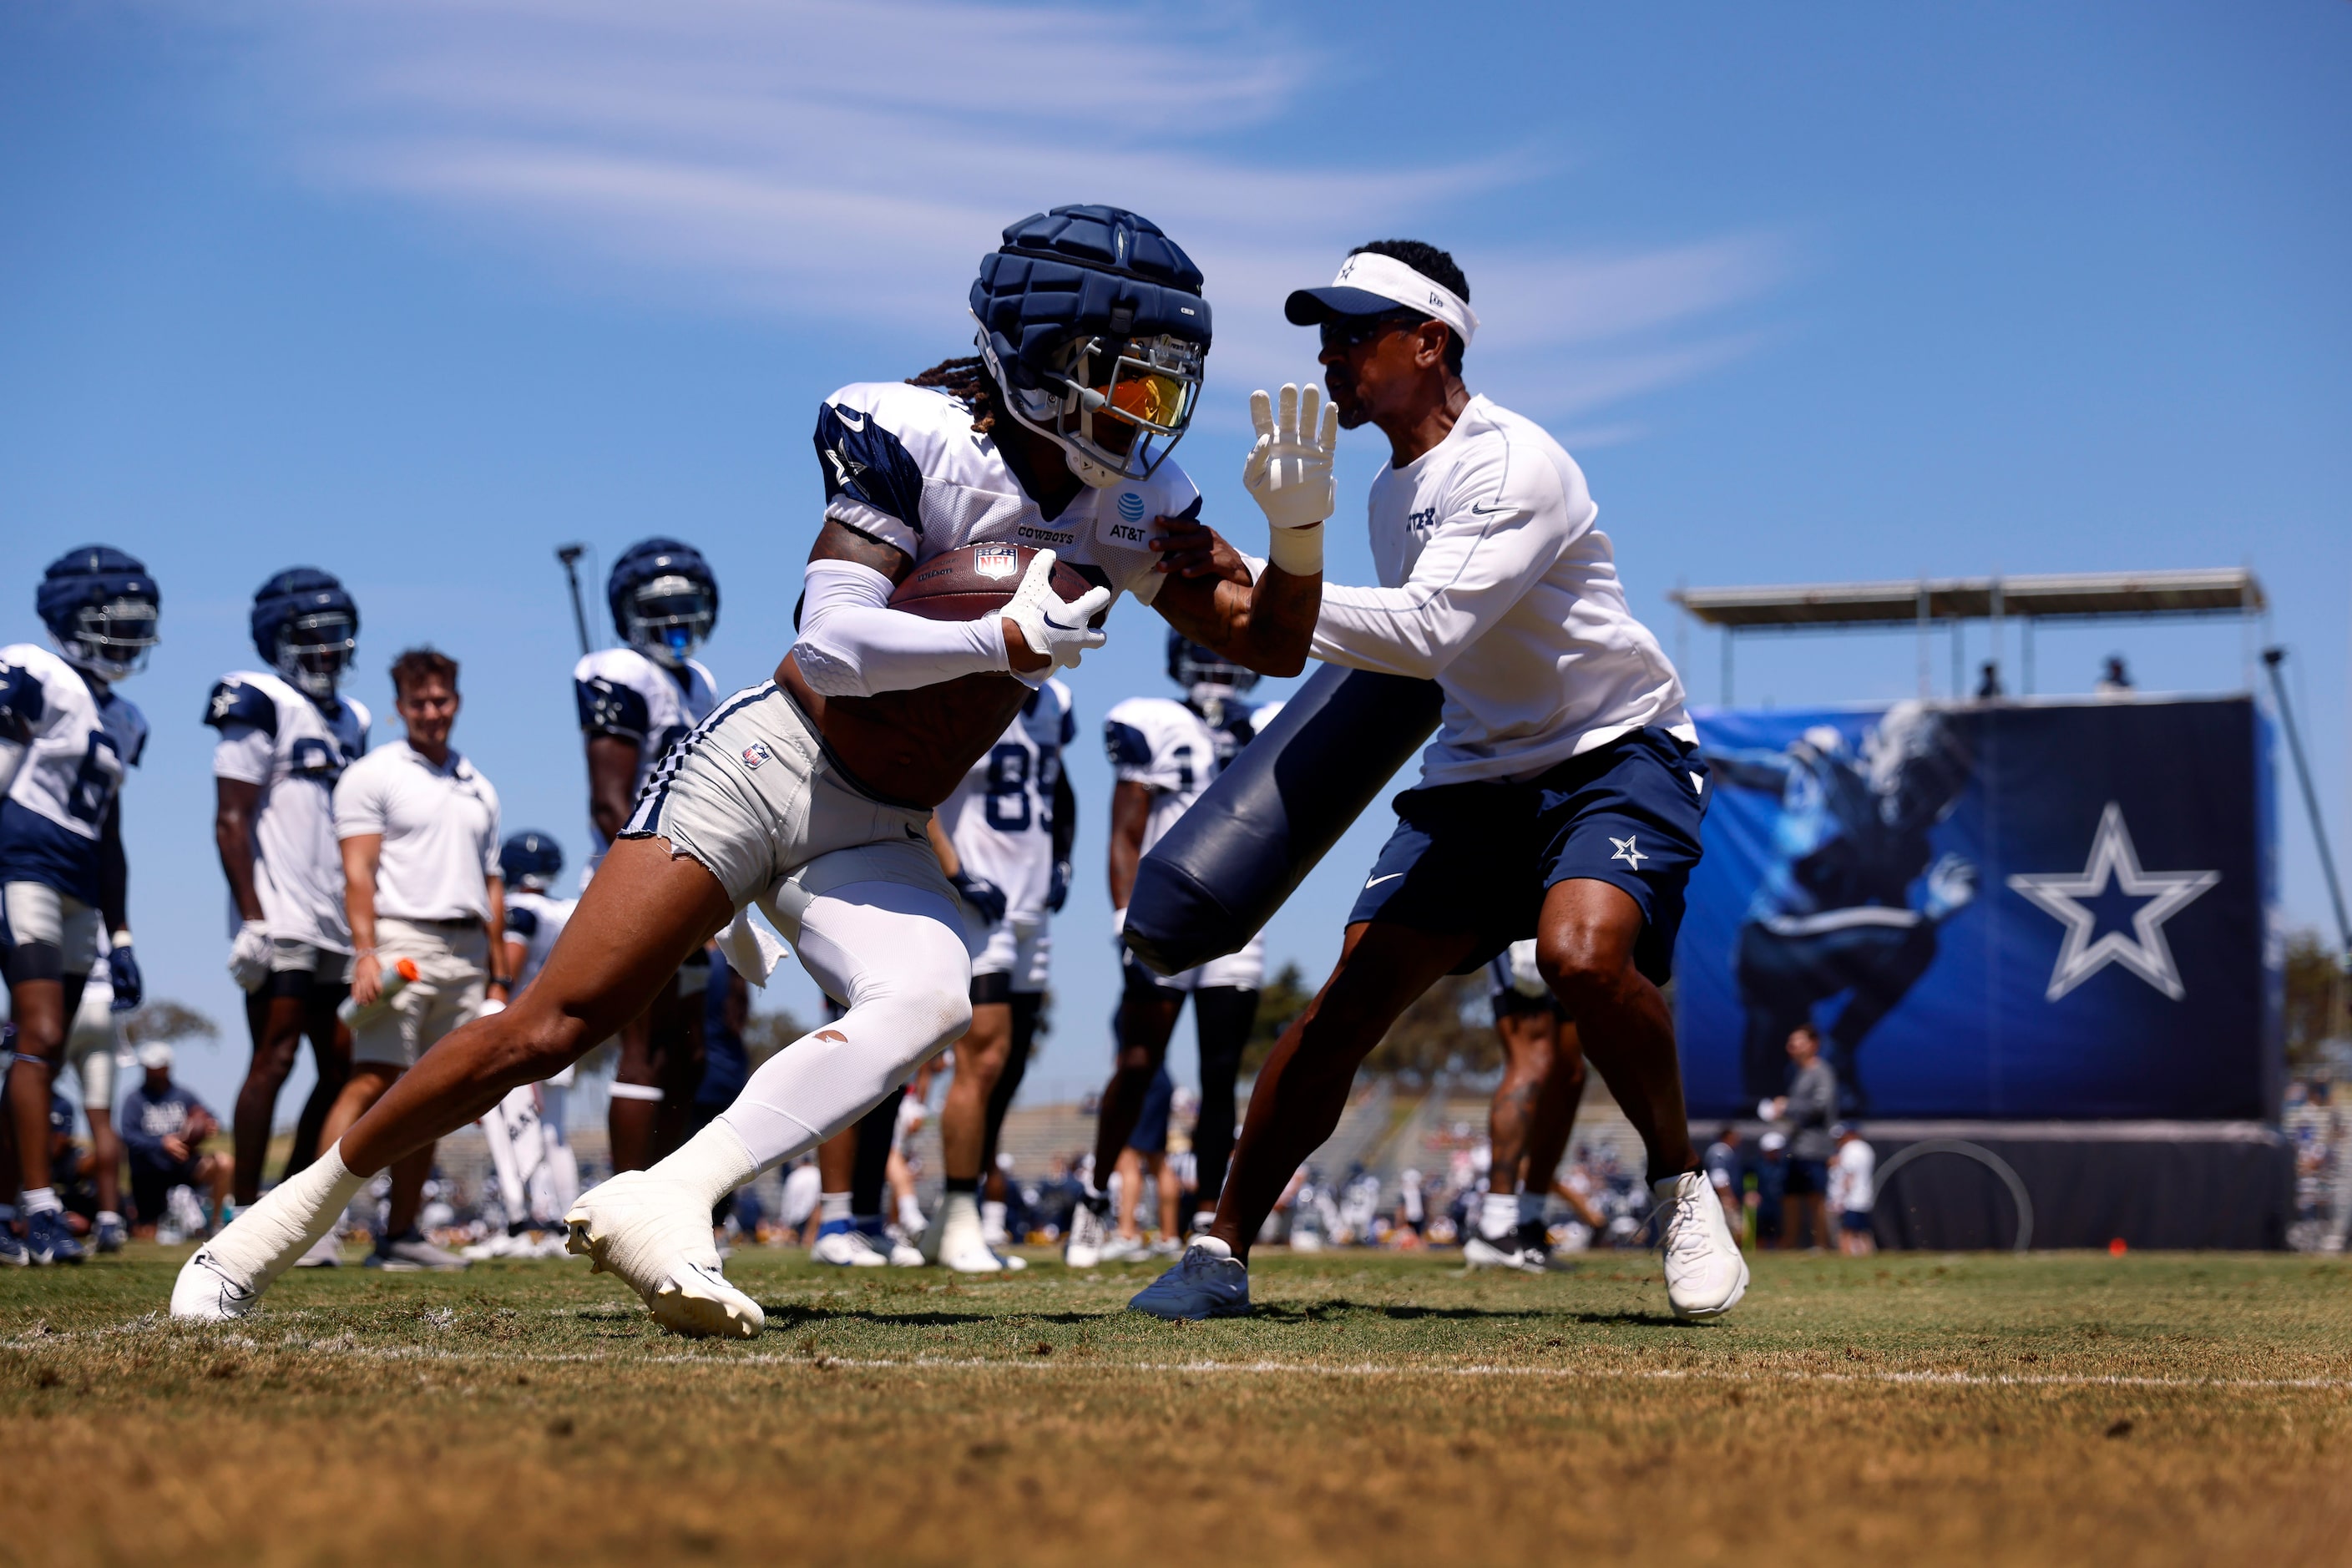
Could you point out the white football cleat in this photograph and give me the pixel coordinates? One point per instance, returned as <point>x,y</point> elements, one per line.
<point>205,1293</point>
<point>957,1239</point>
<point>654,1233</point>
<point>1499,1252</point>
<point>847,1247</point>
<point>1208,1281</point>
<point>1083,1247</point>
<point>904,1254</point>
<point>1705,1275</point>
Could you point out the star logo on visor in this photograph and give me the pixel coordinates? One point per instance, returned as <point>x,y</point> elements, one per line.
<point>1627,850</point>
<point>2114,869</point>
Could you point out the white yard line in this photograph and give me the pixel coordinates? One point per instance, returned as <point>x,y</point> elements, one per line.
<point>722,1358</point>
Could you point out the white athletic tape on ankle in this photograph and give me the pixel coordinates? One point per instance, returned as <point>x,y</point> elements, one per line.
<point>713,1162</point>
<point>280,1227</point>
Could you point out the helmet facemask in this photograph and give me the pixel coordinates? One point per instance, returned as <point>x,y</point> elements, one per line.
<point>111,641</point>
<point>314,651</point>
<point>1117,406</point>
<point>667,618</point>
<point>1209,681</point>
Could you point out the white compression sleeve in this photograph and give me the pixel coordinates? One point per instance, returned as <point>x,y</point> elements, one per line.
<point>851,644</point>
<point>896,954</point>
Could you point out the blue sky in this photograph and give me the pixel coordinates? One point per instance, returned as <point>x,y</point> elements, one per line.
<point>417,292</point>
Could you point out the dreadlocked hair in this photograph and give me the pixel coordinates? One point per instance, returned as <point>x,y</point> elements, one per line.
<point>967,382</point>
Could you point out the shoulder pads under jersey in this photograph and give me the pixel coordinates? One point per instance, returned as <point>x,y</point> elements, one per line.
<point>521,922</point>
<point>22,703</point>
<point>868,463</point>
<point>235,701</point>
<point>609,707</point>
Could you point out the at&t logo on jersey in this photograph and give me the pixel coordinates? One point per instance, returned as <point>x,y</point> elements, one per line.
<point>1127,528</point>
<point>996,561</point>
<point>1130,506</point>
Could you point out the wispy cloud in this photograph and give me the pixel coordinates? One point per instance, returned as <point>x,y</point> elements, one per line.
<point>853,159</point>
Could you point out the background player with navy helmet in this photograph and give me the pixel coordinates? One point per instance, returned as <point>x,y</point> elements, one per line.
<point>1164,751</point>
<point>810,793</point>
<point>530,1154</point>
<point>1003,838</point>
<point>636,701</point>
<point>1560,800</point>
<point>65,740</point>
<point>286,736</point>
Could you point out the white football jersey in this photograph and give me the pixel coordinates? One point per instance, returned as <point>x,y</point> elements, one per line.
<point>623,693</point>
<point>274,736</point>
<point>1171,750</point>
<point>83,739</point>
<point>534,920</point>
<point>1001,817</point>
<point>1498,586</point>
<point>903,464</point>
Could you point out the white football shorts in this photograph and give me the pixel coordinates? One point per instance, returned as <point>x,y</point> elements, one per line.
<point>1019,946</point>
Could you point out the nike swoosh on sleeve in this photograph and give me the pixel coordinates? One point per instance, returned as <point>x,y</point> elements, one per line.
<point>855,421</point>
<point>1378,880</point>
<point>1490,510</point>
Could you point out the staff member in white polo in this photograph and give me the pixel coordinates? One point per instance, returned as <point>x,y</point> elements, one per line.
<point>419,829</point>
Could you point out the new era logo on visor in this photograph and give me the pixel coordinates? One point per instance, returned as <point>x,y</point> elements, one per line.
<point>1130,506</point>
<point>996,561</point>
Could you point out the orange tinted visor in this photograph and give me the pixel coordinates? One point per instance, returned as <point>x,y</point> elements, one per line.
<point>1151,400</point>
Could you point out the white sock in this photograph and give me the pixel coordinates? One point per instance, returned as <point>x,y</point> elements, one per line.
<point>1531,1207</point>
<point>40,1200</point>
<point>711,1164</point>
<point>992,1214</point>
<point>831,1207</point>
<point>281,1226</point>
<point>1497,1214</point>
<point>951,1205</point>
<point>108,1214</point>
<point>911,1213</point>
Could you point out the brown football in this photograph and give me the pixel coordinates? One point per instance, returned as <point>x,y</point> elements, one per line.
<point>967,583</point>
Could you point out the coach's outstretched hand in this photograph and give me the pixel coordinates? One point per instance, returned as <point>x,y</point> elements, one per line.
<point>1288,474</point>
<point>1052,626</point>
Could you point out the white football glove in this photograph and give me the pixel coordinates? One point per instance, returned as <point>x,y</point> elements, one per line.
<point>1049,624</point>
<point>1288,474</point>
<point>248,956</point>
<point>1951,887</point>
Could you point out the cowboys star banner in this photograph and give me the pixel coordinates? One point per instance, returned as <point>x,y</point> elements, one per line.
<point>1989,910</point>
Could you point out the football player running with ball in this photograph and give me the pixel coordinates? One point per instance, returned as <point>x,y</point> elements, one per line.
<point>810,793</point>
<point>1003,838</point>
<point>636,701</point>
<point>65,739</point>
<point>1164,754</point>
<point>1562,799</point>
<point>286,737</point>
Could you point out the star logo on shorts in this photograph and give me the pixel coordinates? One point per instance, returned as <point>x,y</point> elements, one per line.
<point>1628,851</point>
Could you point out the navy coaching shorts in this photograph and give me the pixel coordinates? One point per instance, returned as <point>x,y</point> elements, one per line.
<point>1479,857</point>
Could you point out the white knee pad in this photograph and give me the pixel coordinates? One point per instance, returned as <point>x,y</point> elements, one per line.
<point>896,954</point>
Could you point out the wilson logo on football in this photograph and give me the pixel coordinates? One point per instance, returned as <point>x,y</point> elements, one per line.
<point>1130,506</point>
<point>996,561</point>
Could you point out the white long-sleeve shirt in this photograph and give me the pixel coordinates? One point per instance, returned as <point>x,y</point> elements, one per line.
<point>1498,585</point>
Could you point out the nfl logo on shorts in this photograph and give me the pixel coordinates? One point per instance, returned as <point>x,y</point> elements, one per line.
<point>996,561</point>
<point>755,754</point>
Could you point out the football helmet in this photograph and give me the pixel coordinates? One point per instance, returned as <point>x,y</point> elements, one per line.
<point>1092,323</point>
<point>664,600</point>
<point>1210,679</point>
<point>101,608</point>
<point>530,859</point>
<point>307,627</point>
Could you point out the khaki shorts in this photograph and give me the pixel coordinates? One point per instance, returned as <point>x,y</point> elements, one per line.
<point>751,795</point>
<point>451,976</point>
<point>288,955</point>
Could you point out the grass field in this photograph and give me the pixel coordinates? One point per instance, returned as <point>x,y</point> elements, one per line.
<point>2054,1408</point>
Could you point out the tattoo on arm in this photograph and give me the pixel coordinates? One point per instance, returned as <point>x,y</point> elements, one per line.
<point>836,540</point>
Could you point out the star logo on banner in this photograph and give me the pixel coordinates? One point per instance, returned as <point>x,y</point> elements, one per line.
<point>1627,852</point>
<point>2114,862</point>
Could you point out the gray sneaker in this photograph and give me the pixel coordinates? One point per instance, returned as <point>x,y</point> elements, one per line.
<point>411,1254</point>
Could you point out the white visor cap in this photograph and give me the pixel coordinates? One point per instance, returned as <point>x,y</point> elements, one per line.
<point>1369,284</point>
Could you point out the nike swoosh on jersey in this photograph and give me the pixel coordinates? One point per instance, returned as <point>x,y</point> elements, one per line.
<point>1378,880</point>
<point>854,421</point>
<point>1490,510</point>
